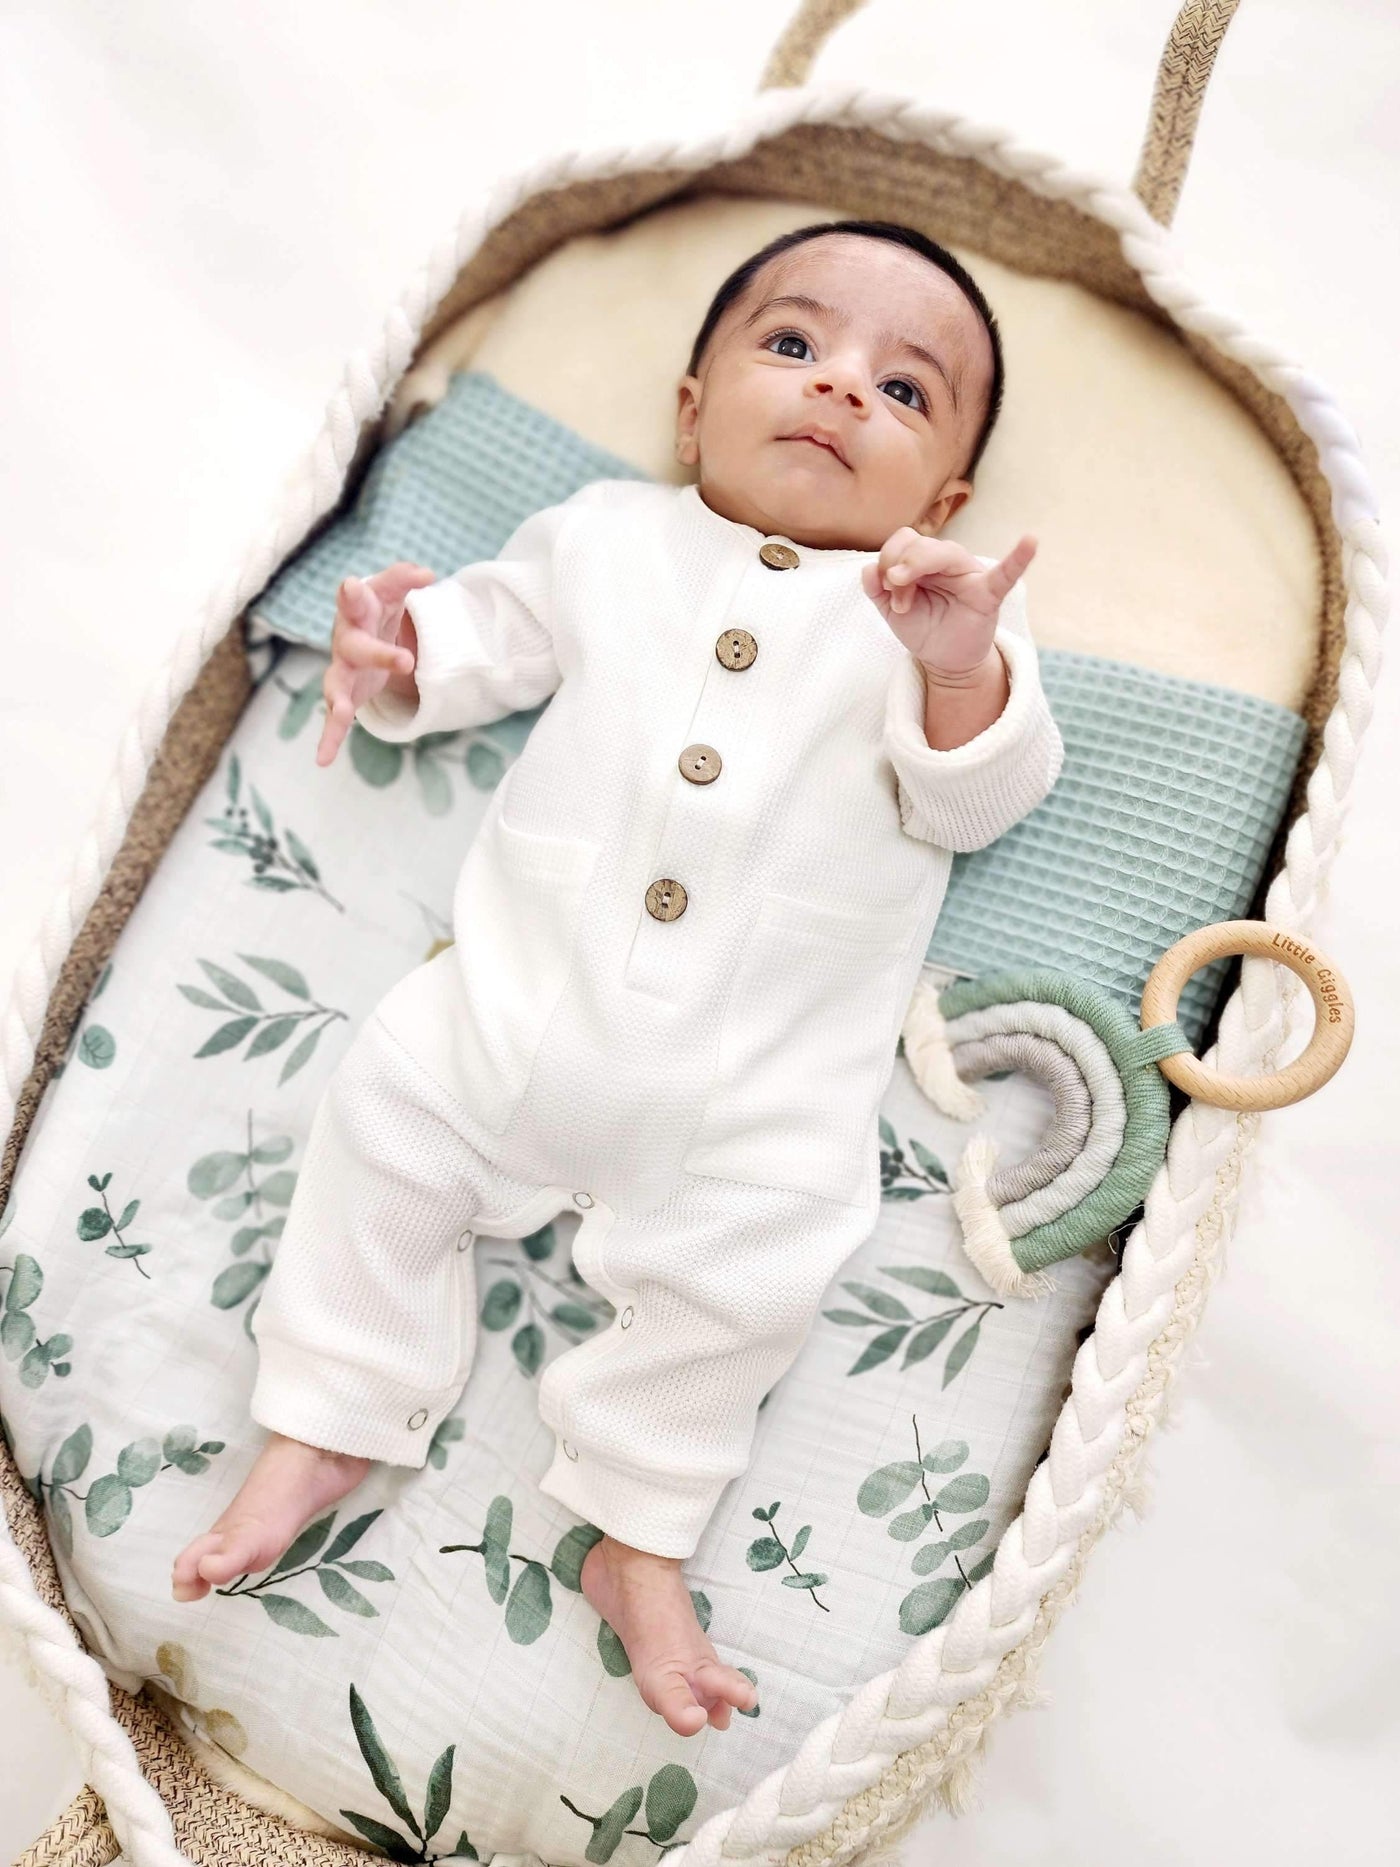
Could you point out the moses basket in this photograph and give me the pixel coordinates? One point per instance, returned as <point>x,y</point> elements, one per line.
<point>1277,522</point>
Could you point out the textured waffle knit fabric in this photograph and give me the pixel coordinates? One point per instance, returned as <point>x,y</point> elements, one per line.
<point>671,1005</point>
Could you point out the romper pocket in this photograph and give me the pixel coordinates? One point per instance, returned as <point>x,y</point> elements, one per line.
<point>516,913</point>
<point>806,1047</point>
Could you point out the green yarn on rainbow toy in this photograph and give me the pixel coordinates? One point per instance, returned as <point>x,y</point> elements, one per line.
<point>1107,1137</point>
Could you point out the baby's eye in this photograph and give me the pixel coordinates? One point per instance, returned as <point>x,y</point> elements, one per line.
<point>903,382</point>
<point>786,337</point>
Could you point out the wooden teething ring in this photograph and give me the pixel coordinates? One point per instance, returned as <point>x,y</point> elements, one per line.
<point>1331,1039</point>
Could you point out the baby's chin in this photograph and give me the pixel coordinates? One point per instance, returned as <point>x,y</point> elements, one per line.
<point>809,504</point>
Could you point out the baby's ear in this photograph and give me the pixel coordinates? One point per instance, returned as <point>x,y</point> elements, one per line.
<point>687,416</point>
<point>952,495</point>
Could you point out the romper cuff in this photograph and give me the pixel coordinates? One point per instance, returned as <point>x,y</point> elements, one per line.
<point>665,1514</point>
<point>451,656</point>
<point>966,796</point>
<point>344,1408</point>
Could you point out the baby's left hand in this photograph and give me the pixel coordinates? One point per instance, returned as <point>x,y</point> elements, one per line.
<point>940,600</point>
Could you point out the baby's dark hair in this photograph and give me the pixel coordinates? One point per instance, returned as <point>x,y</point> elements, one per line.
<point>937,255</point>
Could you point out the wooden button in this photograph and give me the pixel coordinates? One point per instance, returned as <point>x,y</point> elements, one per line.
<point>779,557</point>
<point>736,648</point>
<point>700,763</point>
<point>666,899</point>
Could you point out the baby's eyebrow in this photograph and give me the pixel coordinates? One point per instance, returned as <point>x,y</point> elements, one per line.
<point>891,339</point>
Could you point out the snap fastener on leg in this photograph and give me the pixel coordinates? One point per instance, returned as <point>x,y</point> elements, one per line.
<point>583,1199</point>
<point>416,1420</point>
<point>625,1319</point>
<point>465,1237</point>
<point>568,1450</point>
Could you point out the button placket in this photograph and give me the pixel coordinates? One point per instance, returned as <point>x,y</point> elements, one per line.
<point>660,957</point>
<point>688,854</point>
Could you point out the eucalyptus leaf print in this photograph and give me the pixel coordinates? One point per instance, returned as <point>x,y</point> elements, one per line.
<point>568,1305</point>
<point>108,1500</point>
<point>898,1180</point>
<point>19,1337</point>
<point>941,1495</point>
<point>432,759</point>
<point>446,1433</point>
<point>529,1603</point>
<point>439,927</point>
<point>221,1727</point>
<point>670,1796</point>
<point>268,1030</point>
<point>769,1552</point>
<point>387,1780</point>
<point>566,1564</point>
<point>243,1193</point>
<point>92,1044</point>
<point>895,1324</point>
<point>332,1567</point>
<point>98,1221</point>
<point>280,864</point>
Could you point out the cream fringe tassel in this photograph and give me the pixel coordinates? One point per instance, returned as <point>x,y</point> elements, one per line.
<point>985,1239</point>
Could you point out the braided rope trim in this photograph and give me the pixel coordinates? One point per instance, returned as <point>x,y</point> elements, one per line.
<point>998,1617</point>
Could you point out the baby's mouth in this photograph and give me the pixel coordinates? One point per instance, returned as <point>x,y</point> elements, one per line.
<point>812,441</point>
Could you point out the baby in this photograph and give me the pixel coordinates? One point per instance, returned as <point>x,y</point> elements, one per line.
<point>687,930</point>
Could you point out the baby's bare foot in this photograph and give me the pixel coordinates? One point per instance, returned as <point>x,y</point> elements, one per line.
<point>290,1483</point>
<point>645,1601</point>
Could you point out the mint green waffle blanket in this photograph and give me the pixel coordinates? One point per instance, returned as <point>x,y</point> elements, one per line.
<point>1161,819</point>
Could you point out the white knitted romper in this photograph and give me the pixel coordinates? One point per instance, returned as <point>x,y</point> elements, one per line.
<point>686,934</point>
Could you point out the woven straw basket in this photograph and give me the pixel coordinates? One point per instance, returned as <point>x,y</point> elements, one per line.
<point>858,1781</point>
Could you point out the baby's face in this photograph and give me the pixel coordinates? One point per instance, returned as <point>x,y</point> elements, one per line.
<point>905,423</point>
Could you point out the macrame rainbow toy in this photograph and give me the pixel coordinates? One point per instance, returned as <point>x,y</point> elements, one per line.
<point>1112,1117</point>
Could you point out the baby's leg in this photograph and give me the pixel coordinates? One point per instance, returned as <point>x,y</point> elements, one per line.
<point>367,1322</point>
<point>715,1291</point>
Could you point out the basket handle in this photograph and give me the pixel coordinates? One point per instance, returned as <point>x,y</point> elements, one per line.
<point>1182,76</point>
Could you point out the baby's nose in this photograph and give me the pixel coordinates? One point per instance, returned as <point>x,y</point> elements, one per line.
<point>840,385</point>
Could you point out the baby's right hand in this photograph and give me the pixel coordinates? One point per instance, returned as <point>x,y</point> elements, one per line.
<point>365,647</point>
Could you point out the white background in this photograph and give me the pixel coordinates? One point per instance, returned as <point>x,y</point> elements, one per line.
<point>206,207</point>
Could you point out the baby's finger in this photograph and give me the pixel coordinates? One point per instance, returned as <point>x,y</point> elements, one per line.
<point>357,602</point>
<point>339,717</point>
<point>360,649</point>
<point>896,549</point>
<point>1003,577</point>
<point>393,585</point>
<point>871,583</point>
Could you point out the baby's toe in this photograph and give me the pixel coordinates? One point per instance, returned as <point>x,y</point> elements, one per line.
<point>241,1549</point>
<point>714,1680</point>
<point>670,1694</point>
<point>186,1581</point>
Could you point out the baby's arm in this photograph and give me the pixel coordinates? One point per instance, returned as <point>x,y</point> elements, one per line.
<point>468,649</point>
<point>966,796</point>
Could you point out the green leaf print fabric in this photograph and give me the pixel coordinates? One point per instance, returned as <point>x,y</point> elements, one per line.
<point>426,1643</point>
